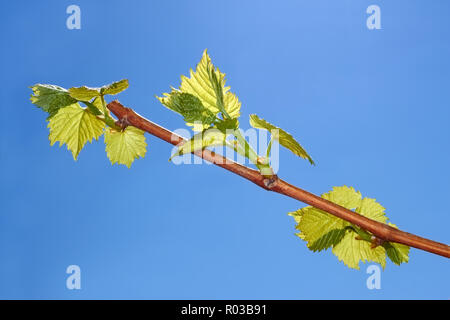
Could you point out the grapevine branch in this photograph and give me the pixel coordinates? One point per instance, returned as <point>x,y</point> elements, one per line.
<point>381,232</point>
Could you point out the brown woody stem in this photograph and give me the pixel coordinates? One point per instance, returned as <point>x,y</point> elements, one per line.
<point>380,230</point>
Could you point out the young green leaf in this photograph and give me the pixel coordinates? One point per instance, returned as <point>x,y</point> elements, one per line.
<point>322,230</point>
<point>189,106</point>
<point>115,87</point>
<point>51,98</point>
<point>284,138</point>
<point>74,126</point>
<point>84,93</point>
<point>200,85</point>
<point>124,146</point>
<point>207,138</point>
<point>87,93</point>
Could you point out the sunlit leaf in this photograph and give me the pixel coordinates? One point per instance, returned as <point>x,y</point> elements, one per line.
<point>189,106</point>
<point>87,93</point>
<point>322,230</point>
<point>123,147</point>
<point>284,138</point>
<point>51,98</point>
<point>74,126</point>
<point>84,93</point>
<point>115,87</point>
<point>201,85</point>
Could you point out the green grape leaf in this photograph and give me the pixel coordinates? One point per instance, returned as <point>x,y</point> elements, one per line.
<point>189,106</point>
<point>207,138</point>
<point>123,147</point>
<point>201,85</point>
<point>87,93</point>
<point>74,126</point>
<point>115,87</point>
<point>84,93</point>
<point>51,98</point>
<point>284,138</point>
<point>322,230</point>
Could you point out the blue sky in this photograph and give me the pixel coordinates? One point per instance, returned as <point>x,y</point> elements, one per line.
<point>371,107</point>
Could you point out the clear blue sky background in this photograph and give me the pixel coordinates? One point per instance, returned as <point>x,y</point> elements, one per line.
<point>372,107</point>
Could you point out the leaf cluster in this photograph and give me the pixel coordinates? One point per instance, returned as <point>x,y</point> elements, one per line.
<point>213,111</point>
<point>348,242</point>
<point>73,125</point>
